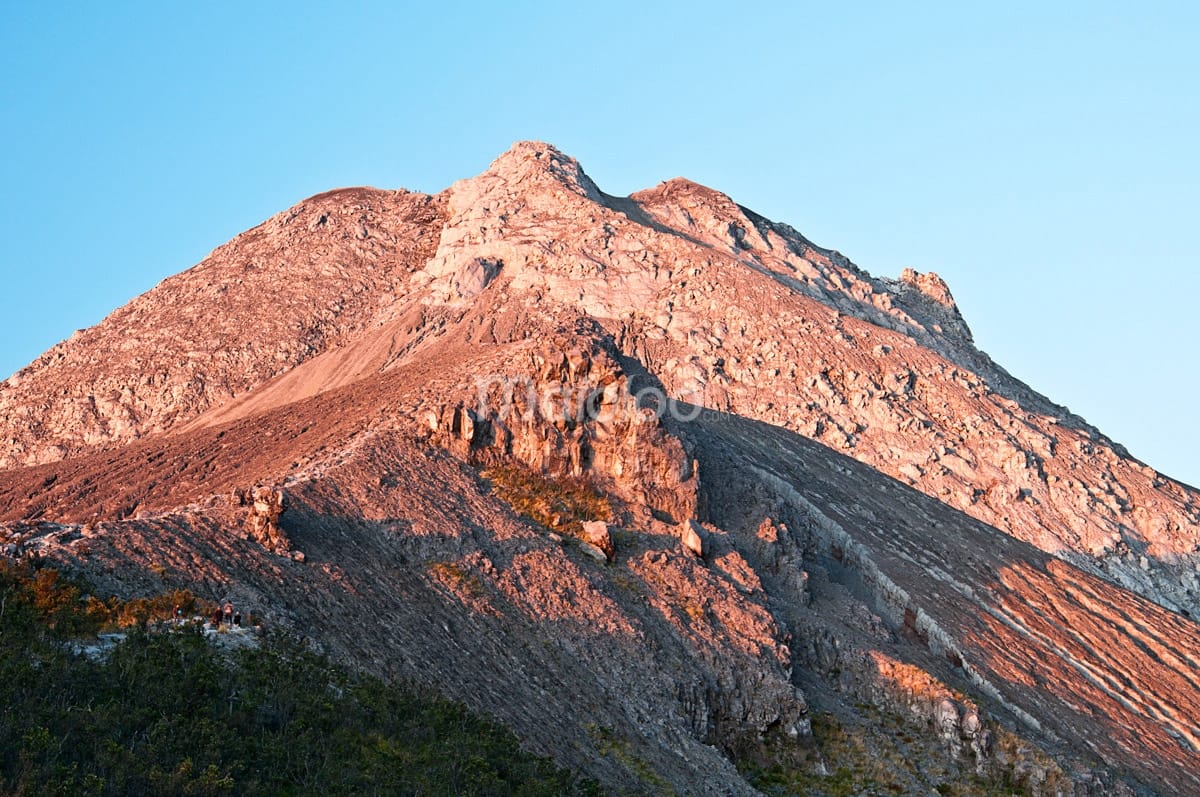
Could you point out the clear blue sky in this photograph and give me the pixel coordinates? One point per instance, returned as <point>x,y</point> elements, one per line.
<point>1043,160</point>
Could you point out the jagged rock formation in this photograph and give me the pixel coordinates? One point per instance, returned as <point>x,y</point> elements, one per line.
<point>819,494</point>
<point>262,520</point>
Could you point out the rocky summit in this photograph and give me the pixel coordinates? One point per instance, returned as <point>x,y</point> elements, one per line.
<point>689,503</point>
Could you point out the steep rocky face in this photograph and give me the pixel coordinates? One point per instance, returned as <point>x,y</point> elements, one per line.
<point>814,495</point>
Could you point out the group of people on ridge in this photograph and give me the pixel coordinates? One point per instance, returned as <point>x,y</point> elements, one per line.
<point>225,615</point>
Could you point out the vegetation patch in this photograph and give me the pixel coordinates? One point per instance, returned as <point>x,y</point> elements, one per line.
<point>608,743</point>
<point>876,757</point>
<point>561,505</point>
<point>457,578</point>
<point>67,607</point>
<point>167,713</point>
<point>463,584</point>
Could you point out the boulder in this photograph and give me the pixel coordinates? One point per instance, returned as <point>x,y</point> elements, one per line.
<point>596,534</point>
<point>693,535</point>
<point>593,551</point>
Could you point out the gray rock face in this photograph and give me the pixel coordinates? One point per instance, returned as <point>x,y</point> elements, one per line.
<point>823,502</point>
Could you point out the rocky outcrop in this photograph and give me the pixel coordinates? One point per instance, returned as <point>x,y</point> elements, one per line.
<point>262,520</point>
<point>572,412</point>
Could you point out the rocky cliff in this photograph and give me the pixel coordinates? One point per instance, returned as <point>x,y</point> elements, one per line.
<point>657,481</point>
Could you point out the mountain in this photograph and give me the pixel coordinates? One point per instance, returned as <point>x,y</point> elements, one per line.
<point>686,501</point>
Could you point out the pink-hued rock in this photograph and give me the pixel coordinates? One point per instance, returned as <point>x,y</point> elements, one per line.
<point>691,535</point>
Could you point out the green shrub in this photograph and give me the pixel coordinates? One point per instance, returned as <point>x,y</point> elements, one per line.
<point>559,504</point>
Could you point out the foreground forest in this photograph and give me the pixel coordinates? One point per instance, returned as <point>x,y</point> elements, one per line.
<point>167,711</point>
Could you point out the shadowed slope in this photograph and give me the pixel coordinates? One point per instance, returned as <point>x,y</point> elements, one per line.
<point>1071,655</point>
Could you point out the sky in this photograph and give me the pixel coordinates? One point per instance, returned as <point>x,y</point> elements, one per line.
<point>1041,158</point>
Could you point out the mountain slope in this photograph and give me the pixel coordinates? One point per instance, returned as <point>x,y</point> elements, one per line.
<point>814,493</point>
<point>301,283</point>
